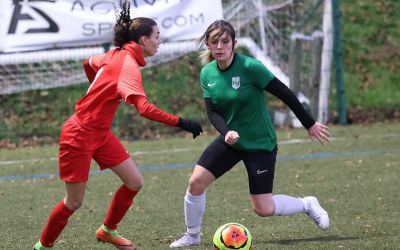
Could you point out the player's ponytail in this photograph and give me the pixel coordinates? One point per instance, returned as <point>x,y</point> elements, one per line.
<point>205,57</point>
<point>127,29</point>
<point>121,28</point>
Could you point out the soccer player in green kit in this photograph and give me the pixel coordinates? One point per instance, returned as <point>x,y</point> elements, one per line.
<point>233,87</point>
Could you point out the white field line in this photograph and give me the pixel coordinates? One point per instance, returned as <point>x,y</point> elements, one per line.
<point>179,150</point>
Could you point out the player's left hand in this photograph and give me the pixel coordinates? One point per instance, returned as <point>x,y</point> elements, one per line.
<point>319,132</point>
<point>190,126</point>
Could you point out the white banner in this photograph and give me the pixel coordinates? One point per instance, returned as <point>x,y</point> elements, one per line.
<point>40,24</point>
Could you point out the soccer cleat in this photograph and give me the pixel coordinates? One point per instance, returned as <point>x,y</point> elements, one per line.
<point>39,246</point>
<point>115,239</point>
<point>186,240</point>
<point>316,212</point>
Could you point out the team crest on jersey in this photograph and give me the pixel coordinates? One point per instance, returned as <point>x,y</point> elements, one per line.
<point>236,82</point>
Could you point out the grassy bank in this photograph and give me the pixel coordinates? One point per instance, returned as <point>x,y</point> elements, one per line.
<point>371,41</point>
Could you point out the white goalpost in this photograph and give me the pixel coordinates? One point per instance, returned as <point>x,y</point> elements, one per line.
<point>327,53</point>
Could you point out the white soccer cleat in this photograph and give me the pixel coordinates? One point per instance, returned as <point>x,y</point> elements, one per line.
<point>316,212</point>
<point>186,240</point>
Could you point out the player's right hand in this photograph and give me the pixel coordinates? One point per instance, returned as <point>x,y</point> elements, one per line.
<point>231,137</point>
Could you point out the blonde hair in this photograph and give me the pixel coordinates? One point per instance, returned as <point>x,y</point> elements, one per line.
<point>205,57</point>
<point>222,27</point>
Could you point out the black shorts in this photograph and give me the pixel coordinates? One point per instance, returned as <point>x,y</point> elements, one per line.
<point>219,157</point>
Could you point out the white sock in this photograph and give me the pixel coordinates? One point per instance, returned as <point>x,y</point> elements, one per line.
<point>194,207</point>
<point>287,205</point>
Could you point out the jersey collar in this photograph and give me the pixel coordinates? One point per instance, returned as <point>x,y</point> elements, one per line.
<point>136,51</point>
<point>230,65</point>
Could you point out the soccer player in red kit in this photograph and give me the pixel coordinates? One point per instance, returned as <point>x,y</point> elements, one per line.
<point>114,76</point>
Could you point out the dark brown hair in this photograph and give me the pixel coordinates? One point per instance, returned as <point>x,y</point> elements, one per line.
<point>127,29</point>
<point>221,27</point>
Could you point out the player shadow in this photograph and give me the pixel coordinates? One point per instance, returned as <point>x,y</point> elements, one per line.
<point>315,239</point>
<point>292,242</point>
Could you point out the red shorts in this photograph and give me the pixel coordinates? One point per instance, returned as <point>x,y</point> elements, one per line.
<point>79,145</point>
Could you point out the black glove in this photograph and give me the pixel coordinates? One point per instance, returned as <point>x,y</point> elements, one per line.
<point>190,126</point>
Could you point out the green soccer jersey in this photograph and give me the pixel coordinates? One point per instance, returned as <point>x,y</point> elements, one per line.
<point>238,95</point>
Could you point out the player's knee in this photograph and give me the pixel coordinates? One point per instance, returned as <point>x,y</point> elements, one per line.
<point>134,182</point>
<point>74,204</point>
<point>196,186</point>
<point>135,185</point>
<point>264,211</point>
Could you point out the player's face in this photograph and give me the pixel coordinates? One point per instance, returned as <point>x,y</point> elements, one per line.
<point>221,47</point>
<point>151,43</point>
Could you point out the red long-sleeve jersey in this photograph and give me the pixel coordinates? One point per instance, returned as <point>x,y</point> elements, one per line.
<point>115,76</point>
